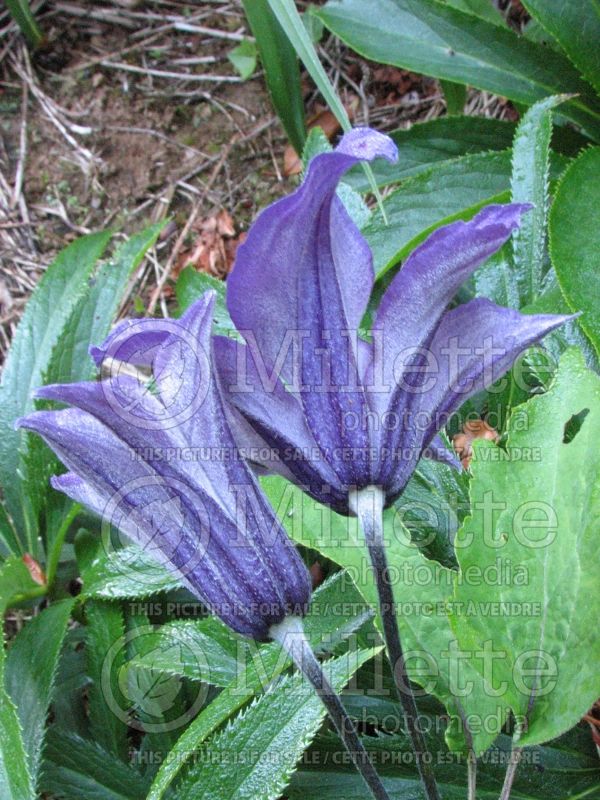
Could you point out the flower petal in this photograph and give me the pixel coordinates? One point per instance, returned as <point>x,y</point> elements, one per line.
<point>417,297</point>
<point>303,277</point>
<point>473,346</point>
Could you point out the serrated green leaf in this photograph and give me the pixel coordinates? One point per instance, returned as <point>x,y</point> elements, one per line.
<point>426,144</point>
<point>80,769</point>
<point>282,73</point>
<point>128,573</point>
<point>421,588</point>
<point>575,240</point>
<point>540,513</point>
<point>207,650</point>
<point>529,184</point>
<point>438,40</point>
<point>257,752</point>
<point>105,652</point>
<point>244,58</point>
<point>576,27</point>
<point>267,663</point>
<point>94,316</point>
<point>29,675</point>
<point>204,650</point>
<point>44,322</point>
<point>316,143</point>
<point>15,780</point>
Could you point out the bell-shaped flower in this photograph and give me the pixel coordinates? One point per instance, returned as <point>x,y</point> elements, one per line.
<point>340,410</point>
<point>153,454</point>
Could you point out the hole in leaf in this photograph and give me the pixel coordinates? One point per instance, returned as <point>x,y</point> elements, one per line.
<point>573,425</point>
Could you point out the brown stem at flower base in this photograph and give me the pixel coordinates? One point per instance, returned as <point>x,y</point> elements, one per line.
<point>367,504</point>
<point>290,635</point>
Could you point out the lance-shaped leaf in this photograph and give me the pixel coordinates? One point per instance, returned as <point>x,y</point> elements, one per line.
<point>536,507</point>
<point>257,752</point>
<point>529,184</point>
<point>575,240</point>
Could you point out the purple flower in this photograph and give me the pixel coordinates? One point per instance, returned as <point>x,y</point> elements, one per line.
<point>340,412</point>
<point>155,458</point>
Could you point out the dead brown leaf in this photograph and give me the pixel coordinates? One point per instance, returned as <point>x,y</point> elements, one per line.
<point>473,429</point>
<point>213,248</point>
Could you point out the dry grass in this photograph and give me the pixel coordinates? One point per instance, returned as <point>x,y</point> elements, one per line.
<point>132,113</point>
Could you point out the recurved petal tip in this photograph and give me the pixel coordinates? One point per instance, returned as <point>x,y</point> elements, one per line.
<point>367,144</point>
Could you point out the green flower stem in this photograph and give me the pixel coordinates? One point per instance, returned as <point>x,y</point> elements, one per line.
<point>367,504</point>
<point>57,544</point>
<point>290,635</point>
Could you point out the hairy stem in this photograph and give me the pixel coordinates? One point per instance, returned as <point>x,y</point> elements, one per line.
<point>472,776</point>
<point>367,504</point>
<point>511,771</point>
<point>290,635</point>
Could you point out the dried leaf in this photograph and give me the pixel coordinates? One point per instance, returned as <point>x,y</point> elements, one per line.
<point>473,429</point>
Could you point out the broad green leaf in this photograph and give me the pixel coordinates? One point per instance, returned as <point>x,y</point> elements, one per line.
<point>80,769</point>
<point>485,9</point>
<point>566,769</point>
<point>455,95</point>
<point>438,40</point>
<point>422,589</point>
<point>576,27</point>
<point>105,652</point>
<point>537,509</point>
<point>575,240</point>
<point>21,13</point>
<point>257,752</point>
<point>191,285</point>
<point>244,57</point>
<point>280,64</point>
<point>529,184</point>
<point>497,279</point>
<point>29,675</point>
<point>426,144</point>
<point>69,709</point>
<point>267,663</point>
<point>552,301</point>
<point>455,190</point>
<point>42,326</point>
<point>125,574</point>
